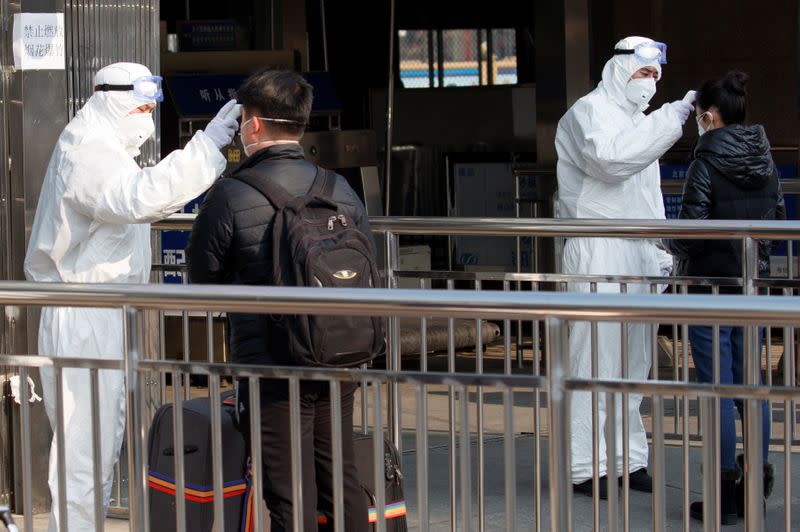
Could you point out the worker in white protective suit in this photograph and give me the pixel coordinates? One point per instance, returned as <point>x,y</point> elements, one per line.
<point>91,226</point>
<point>608,154</point>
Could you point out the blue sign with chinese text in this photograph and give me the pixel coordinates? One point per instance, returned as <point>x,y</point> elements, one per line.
<point>173,246</point>
<point>673,171</point>
<point>202,95</point>
<point>173,253</point>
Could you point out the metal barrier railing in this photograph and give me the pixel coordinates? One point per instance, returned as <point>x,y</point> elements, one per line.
<point>713,229</point>
<point>392,228</point>
<point>623,228</point>
<point>747,231</point>
<point>554,390</point>
<point>683,418</point>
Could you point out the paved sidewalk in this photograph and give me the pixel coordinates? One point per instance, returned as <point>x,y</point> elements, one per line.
<point>640,503</point>
<point>40,523</point>
<point>438,459</point>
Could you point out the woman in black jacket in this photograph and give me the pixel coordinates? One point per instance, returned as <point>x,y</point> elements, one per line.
<point>732,177</point>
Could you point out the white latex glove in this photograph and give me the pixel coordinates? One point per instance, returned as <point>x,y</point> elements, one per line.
<point>665,262</point>
<point>690,97</point>
<point>223,127</point>
<point>682,108</point>
<point>31,390</point>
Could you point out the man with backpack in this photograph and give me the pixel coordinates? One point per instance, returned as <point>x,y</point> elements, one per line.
<point>280,220</point>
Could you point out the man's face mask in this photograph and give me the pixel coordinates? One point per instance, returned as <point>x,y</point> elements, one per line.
<point>134,130</point>
<point>641,91</point>
<point>247,147</point>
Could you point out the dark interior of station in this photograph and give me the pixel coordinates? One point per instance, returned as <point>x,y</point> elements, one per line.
<point>532,60</point>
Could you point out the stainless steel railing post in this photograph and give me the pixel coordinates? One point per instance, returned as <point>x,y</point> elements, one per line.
<point>753,450</point>
<point>560,485</point>
<point>137,475</point>
<point>393,359</point>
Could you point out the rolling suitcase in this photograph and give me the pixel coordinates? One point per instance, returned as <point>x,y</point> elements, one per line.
<point>199,483</point>
<point>395,500</point>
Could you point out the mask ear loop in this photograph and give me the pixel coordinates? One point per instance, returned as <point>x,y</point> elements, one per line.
<point>710,118</point>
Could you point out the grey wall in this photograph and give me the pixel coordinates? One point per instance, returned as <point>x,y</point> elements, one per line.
<point>34,108</point>
<point>461,119</point>
<point>468,119</point>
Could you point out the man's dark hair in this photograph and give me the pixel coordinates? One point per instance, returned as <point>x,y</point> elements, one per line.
<point>278,94</point>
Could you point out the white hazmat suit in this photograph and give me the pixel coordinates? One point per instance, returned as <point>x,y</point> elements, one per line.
<point>91,226</point>
<point>608,154</point>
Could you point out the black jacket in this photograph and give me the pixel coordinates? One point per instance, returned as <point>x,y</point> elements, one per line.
<point>732,177</point>
<point>231,240</point>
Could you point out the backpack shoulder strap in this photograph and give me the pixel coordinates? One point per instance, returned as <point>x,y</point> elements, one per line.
<point>275,194</point>
<point>323,184</point>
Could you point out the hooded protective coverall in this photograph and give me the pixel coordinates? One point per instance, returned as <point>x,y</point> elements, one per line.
<point>608,154</point>
<point>91,226</point>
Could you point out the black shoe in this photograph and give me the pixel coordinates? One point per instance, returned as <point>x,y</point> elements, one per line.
<point>769,480</point>
<point>639,480</point>
<point>728,501</point>
<point>769,475</point>
<point>696,511</point>
<point>739,496</point>
<point>585,488</point>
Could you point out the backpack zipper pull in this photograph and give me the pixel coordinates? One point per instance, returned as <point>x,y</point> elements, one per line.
<point>343,220</point>
<point>331,221</point>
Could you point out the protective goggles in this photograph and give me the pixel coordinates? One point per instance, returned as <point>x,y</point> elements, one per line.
<point>647,52</point>
<point>146,88</point>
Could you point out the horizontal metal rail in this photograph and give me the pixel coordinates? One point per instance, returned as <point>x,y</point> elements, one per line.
<point>650,387</point>
<point>704,309</point>
<point>692,229</point>
<point>675,186</point>
<point>443,275</point>
<point>679,388</point>
<point>567,278</point>
<point>710,229</point>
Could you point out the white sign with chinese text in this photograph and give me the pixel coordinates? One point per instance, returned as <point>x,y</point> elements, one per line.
<point>39,41</point>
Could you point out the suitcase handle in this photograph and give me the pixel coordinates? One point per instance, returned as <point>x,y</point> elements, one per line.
<point>187,449</point>
<point>7,520</point>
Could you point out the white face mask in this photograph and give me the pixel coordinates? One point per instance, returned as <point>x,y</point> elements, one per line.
<point>265,143</point>
<point>134,130</point>
<point>246,147</point>
<point>640,91</point>
<point>700,129</point>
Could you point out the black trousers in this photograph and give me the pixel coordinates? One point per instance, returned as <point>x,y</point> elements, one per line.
<point>316,451</point>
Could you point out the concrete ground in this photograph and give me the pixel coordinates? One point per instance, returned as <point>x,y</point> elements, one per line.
<point>640,503</point>
<point>40,523</point>
<point>524,427</point>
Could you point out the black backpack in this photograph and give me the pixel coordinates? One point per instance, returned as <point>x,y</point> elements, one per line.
<point>316,244</point>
